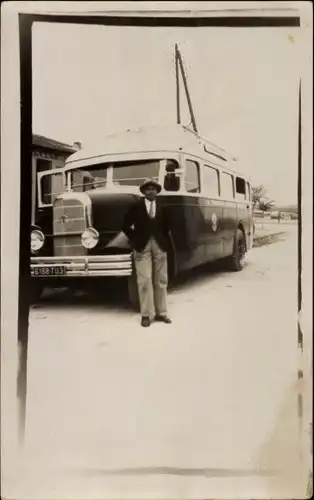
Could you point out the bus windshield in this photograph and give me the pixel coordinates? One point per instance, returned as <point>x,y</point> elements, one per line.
<point>124,173</point>
<point>90,177</point>
<point>134,173</point>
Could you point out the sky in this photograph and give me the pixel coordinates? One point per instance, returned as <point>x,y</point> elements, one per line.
<point>90,81</point>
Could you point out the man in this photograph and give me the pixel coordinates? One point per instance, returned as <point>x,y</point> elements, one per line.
<point>147,228</point>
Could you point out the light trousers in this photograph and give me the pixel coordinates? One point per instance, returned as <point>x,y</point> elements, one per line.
<point>152,279</point>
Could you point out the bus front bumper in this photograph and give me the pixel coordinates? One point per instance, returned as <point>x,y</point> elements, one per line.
<point>82,266</point>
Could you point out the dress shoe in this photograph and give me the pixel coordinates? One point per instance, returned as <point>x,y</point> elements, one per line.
<point>145,321</point>
<point>163,319</point>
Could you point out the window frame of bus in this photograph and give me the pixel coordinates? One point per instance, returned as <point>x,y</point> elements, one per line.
<point>205,165</point>
<point>222,171</point>
<point>241,178</point>
<point>58,170</point>
<point>163,172</point>
<point>35,171</point>
<point>197,162</point>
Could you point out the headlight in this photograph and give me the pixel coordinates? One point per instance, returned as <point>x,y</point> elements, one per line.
<point>90,238</point>
<point>37,240</point>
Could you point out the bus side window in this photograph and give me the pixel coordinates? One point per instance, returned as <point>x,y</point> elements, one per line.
<point>211,181</point>
<point>42,165</point>
<point>240,188</point>
<point>226,186</point>
<point>192,177</point>
<point>50,186</point>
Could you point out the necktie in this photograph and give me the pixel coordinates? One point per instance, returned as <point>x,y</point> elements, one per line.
<point>151,210</point>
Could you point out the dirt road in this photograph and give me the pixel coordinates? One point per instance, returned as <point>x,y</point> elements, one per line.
<point>205,407</point>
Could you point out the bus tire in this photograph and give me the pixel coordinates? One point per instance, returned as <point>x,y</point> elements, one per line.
<point>36,290</point>
<point>237,259</point>
<point>133,295</point>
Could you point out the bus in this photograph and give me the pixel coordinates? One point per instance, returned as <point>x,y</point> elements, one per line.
<point>209,204</point>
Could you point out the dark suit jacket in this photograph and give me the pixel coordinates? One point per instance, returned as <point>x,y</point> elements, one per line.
<point>139,227</point>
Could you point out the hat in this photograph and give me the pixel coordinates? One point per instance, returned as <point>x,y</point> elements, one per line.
<point>150,182</point>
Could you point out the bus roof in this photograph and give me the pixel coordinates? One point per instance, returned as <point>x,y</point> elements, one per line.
<point>174,138</point>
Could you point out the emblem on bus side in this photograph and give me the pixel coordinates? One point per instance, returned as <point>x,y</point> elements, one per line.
<point>214,222</point>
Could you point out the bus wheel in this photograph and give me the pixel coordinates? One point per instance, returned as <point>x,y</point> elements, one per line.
<point>36,290</point>
<point>133,292</point>
<point>237,259</point>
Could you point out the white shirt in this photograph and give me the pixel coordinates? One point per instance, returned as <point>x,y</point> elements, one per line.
<point>148,205</point>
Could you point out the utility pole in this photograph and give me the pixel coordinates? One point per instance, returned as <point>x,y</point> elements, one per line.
<point>177,85</point>
<point>180,68</point>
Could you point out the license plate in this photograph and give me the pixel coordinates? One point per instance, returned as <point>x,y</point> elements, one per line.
<point>49,271</point>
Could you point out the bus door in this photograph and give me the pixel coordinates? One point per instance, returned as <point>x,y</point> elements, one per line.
<point>249,212</point>
<point>171,178</point>
<point>230,215</point>
<point>212,212</point>
<point>244,210</point>
<point>193,212</point>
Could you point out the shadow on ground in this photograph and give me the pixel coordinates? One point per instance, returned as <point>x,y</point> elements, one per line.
<point>268,239</point>
<point>113,293</point>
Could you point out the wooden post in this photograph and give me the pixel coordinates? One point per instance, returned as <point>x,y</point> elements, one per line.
<point>25,47</point>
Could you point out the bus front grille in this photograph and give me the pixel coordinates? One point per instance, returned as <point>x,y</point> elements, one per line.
<point>69,222</point>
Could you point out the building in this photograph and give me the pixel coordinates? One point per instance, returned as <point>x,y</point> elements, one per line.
<point>47,154</point>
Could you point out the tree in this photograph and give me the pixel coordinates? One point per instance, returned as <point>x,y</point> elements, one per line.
<point>266,205</point>
<point>258,193</point>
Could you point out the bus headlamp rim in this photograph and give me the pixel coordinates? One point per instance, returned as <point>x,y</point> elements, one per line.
<point>40,240</point>
<point>90,238</point>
